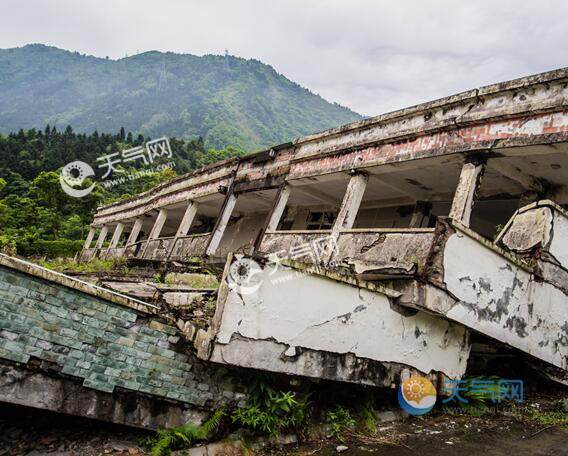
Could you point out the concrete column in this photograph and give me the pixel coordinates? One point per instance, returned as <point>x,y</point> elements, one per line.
<point>158,224</point>
<point>278,208</point>
<point>135,231</point>
<point>89,239</point>
<point>351,202</point>
<point>464,198</point>
<point>185,224</point>
<point>421,211</point>
<point>187,219</point>
<point>156,229</point>
<point>102,237</point>
<point>116,235</point>
<point>221,224</point>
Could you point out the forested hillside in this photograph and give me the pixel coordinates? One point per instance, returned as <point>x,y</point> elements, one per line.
<point>37,217</point>
<point>224,100</point>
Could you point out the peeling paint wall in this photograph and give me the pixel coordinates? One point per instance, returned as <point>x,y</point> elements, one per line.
<point>498,298</point>
<point>291,314</point>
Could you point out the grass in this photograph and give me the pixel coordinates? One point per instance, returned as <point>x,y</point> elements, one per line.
<point>183,436</point>
<point>556,415</point>
<point>94,265</point>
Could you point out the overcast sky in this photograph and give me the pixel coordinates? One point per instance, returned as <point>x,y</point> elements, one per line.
<point>373,56</point>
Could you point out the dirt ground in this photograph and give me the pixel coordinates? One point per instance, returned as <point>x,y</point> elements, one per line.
<point>31,432</point>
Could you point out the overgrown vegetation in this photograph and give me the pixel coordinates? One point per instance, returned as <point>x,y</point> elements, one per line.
<point>37,218</point>
<point>557,415</point>
<point>166,441</point>
<point>339,420</point>
<point>271,412</point>
<point>94,265</point>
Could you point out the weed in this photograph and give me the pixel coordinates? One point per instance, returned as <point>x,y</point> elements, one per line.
<point>270,412</point>
<point>94,265</point>
<point>555,416</point>
<point>367,417</point>
<point>181,437</point>
<point>339,419</point>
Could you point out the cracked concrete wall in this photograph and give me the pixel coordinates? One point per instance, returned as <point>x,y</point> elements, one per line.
<point>296,323</point>
<point>504,301</point>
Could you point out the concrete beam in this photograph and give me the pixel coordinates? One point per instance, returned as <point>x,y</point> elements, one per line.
<point>116,235</point>
<point>222,222</point>
<point>351,202</point>
<point>187,220</point>
<point>279,207</point>
<point>133,237</point>
<point>470,178</point>
<point>158,224</point>
<point>102,237</point>
<point>89,238</point>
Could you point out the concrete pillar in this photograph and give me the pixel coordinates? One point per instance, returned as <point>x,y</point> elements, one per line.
<point>221,224</point>
<point>278,209</point>
<point>102,237</point>
<point>464,198</point>
<point>187,219</point>
<point>185,224</point>
<point>421,211</point>
<point>116,235</point>
<point>350,204</point>
<point>135,232</point>
<point>89,239</point>
<point>158,224</point>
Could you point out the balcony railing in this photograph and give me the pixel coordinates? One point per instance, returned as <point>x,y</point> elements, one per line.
<point>190,246</point>
<point>374,252</point>
<point>158,249</point>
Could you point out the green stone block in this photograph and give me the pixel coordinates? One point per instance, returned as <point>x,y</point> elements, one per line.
<point>77,354</point>
<point>141,346</point>
<point>126,315</point>
<point>112,372</point>
<point>99,385</point>
<point>17,357</point>
<point>69,333</point>
<point>53,357</point>
<point>128,384</point>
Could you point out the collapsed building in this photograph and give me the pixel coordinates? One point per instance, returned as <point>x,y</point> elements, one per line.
<point>388,245</point>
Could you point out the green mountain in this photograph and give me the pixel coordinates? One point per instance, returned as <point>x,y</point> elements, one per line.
<point>225,100</point>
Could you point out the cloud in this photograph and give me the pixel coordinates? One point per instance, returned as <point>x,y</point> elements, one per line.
<point>373,56</point>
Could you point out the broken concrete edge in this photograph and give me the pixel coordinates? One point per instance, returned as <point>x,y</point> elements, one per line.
<point>317,364</point>
<point>171,183</point>
<point>541,94</point>
<point>540,203</point>
<point>461,97</point>
<point>529,207</point>
<point>513,258</point>
<point>76,284</point>
<point>65,394</point>
<point>204,339</point>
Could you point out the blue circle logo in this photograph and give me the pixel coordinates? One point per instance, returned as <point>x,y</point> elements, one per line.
<point>416,395</point>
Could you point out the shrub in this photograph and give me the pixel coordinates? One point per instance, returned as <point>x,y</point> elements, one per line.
<point>184,436</point>
<point>339,419</point>
<point>270,412</point>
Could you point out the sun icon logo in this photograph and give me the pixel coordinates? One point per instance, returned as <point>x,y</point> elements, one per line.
<point>417,395</point>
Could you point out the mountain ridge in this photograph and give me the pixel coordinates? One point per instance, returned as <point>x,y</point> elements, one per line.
<point>226,100</point>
